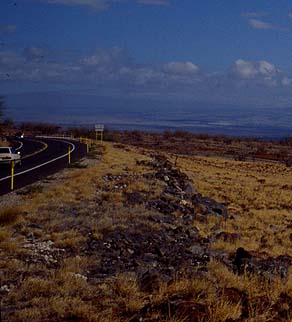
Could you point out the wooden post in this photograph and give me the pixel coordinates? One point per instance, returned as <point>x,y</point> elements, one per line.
<point>12,174</point>
<point>69,155</point>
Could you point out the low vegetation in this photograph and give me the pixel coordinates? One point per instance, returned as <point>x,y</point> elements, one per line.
<point>136,234</point>
<point>186,143</point>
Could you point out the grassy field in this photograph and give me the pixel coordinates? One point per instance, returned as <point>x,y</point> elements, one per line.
<point>68,245</point>
<point>258,193</point>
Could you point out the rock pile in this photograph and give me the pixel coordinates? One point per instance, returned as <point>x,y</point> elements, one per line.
<point>168,243</point>
<point>179,194</point>
<point>268,268</point>
<point>165,251</point>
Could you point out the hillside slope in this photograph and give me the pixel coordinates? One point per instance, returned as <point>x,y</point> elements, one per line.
<point>131,234</point>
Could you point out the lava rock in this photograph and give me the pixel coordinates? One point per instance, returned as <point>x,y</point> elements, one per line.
<point>211,206</point>
<point>134,198</point>
<point>240,256</point>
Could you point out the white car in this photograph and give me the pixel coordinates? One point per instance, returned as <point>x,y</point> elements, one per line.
<point>8,154</point>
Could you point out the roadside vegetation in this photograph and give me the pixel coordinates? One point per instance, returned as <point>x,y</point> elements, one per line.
<point>142,233</point>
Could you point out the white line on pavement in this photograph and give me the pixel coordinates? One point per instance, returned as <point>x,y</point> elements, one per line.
<point>45,163</point>
<point>20,146</point>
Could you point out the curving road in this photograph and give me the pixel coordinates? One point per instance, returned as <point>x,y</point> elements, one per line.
<point>40,157</point>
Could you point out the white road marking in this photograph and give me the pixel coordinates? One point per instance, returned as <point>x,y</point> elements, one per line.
<point>36,152</point>
<point>20,146</point>
<point>45,163</point>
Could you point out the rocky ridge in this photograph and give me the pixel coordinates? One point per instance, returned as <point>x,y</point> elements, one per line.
<point>176,246</point>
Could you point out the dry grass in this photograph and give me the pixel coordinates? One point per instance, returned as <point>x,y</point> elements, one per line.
<point>9,216</point>
<point>257,193</point>
<point>83,203</point>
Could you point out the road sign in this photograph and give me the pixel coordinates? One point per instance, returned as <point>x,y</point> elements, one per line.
<point>99,127</point>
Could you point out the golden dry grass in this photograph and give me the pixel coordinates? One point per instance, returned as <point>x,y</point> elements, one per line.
<point>257,193</point>
<point>9,216</point>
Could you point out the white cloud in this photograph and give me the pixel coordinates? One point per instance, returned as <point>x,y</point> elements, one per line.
<point>262,25</point>
<point>261,72</point>
<point>267,69</point>
<point>114,70</point>
<point>181,68</point>
<point>104,67</point>
<point>96,60</point>
<point>244,69</point>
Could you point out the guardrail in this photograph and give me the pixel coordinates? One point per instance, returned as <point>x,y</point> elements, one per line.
<point>35,172</point>
<point>28,177</point>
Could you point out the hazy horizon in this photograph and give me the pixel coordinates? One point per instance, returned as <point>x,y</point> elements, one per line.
<point>154,115</point>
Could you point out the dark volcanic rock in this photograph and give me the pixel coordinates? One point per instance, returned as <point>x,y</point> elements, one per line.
<point>239,262</point>
<point>165,251</point>
<point>134,198</point>
<point>167,243</point>
<point>149,281</point>
<point>189,189</point>
<point>270,267</point>
<point>273,266</point>
<point>179,193</point>
<point>211,206</point>
<point>228,237</point>
<point>176,245</point>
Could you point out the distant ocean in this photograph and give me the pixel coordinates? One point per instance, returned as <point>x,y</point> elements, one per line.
<point>261,123</point>
<point>157,116</point>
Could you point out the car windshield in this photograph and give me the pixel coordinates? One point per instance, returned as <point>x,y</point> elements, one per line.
<point>4,150</point>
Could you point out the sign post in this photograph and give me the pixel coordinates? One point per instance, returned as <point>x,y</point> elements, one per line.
<point>99,128</point>
<point>12,175</point>
<point>87,148</point>
<point>69,155</point>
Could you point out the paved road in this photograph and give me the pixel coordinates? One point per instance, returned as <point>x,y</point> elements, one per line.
<point>40,157</point>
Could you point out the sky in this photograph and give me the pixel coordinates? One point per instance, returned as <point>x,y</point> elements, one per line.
<point>236,52</point>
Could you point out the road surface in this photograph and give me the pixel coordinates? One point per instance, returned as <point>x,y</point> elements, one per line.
<point>40,157</point>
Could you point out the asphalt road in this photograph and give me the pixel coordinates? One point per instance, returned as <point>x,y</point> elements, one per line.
<point>40,157</point>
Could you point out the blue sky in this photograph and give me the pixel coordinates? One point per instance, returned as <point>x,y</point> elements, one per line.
<point>227,51</point>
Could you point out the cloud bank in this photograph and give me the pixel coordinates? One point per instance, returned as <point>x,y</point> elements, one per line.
<point>112,71</point>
